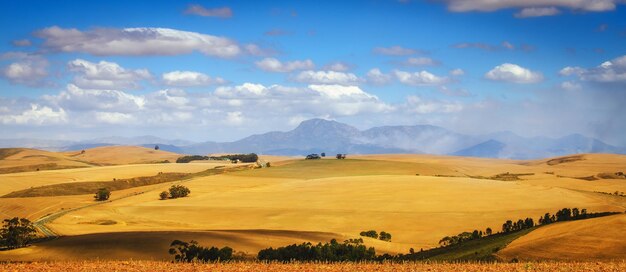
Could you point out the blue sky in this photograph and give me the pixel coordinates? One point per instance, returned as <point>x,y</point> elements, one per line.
<point>221,70</point>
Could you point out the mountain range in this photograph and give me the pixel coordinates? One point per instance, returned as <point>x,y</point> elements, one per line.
<point>319,135</point>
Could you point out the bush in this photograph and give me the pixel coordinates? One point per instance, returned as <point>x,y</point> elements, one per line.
<point>16,232</point>
<point>164,195</point>
<point>102,194</point>
<point>192,252</point>
<point>177,191</point>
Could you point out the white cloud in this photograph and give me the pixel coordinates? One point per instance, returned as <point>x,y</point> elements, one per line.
<point>136,42</point>
<point>274,65</point>
<point>537,12</point>
<point>189,79</point>
<point>114,117</point>
<point>394,51</point>
<point>105,75</point>
<point>326,77</point>
<point>30,70</point>
<point>421,78</point>
<point>609,71</point>
<point>490,5</point>
<point>421,61</point>
<point>513,73</point>
<point>339,91</point>
<point>77,99</point>
<point>376,77</point>
<point>35,115</point>
<point>224,12</point>
<point>234,118</point>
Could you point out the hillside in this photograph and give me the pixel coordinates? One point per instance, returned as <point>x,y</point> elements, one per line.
<point>112,155</point>
<point>13,160</point>
<point>593,239</point>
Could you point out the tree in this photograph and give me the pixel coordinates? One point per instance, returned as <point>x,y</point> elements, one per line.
<point>177,191</point>
<point>164,195</point>
<point>369,233</point>
<point>575,213</point>
<point>192,252</point>
<point>102,194</point>
<point>385,236</point>
<point>156,147</point>
<point>488,231</point>
<point>16,232</point>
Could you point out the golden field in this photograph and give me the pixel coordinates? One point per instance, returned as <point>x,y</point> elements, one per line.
<point>417,198</point>
<point>331,267</point>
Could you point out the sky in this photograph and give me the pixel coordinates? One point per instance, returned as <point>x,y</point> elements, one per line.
<point>223,70</point>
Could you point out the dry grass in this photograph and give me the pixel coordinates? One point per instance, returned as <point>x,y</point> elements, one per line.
<point>114,155</point>
<point>592,239</point>
<point>278,267</point>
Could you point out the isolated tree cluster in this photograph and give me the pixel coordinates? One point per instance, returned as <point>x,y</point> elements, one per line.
<point>102,194</point>
<point>252,157</point>
<point>175,191</point>
<point>384,236</point>
<point>16,232</point>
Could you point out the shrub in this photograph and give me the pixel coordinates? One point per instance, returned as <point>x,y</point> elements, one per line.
<point>177,191</point>
<point>164,195</point>
<point>102,194</point>
<point>16,232</point>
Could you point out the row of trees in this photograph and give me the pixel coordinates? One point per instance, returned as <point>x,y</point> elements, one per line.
<point>192,252</point>
<point>175,191</point>
<point>385,236</point>
<point>333,251</point>
<point>16,232</point>
<point>252,157</point>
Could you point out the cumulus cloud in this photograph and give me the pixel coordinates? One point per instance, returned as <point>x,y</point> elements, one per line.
<point>490,5</point>
<point>326,77</point>
<point>609,71</point>
<point>224,12</point>
<point>513,73</point>
<point>27,69</point>
<point>422,78</point>
<point>105,75</point>
<point>78,99</point>
<point>189,79</point>
<point>394,51</point>
<point>35,115</point>
<point>274,65</point>
<point>376,77</point>
<point>136,42</point>
<point>537,12</point>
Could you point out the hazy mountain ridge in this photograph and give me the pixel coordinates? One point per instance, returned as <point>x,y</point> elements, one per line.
<point>319,135</point>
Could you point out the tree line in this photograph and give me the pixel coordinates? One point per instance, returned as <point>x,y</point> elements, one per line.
<point>192,252</point>
<point>252,157</point>
<point>16,232</point>
<point>351,250</point>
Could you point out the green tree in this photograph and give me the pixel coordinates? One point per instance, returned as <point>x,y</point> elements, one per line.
<point>385,236</point>
<point>369,233</point>
<point>488,231</point>
<point>102,194</point>
<point>16,232</point>
<point>164,195</point>
<point>177,191</point>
